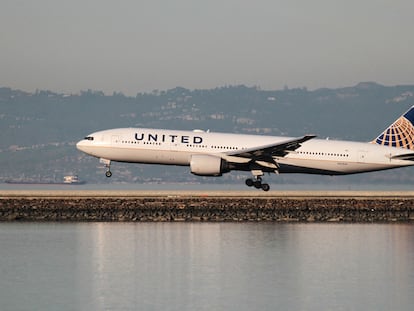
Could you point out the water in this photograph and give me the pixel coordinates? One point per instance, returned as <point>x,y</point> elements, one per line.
<point>206,266</point>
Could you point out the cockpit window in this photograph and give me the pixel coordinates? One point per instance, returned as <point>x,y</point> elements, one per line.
<point>89,137</point>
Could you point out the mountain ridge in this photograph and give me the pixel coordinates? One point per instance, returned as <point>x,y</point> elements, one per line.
<point>40,129</point>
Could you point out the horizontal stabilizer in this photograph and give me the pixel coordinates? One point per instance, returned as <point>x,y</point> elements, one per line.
<point>406,157</point>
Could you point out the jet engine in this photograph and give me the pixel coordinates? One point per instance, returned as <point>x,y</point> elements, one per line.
<point>208,165</point>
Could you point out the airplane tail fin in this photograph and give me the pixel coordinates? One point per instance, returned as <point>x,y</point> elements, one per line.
<point>399,134</point>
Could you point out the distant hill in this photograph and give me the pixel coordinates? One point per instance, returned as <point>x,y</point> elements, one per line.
<point>39,130</point>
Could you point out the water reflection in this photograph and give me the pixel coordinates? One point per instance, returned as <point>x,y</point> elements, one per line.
<point>206,266</point>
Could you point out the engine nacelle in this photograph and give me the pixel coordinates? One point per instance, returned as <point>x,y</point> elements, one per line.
<point>208,165</point>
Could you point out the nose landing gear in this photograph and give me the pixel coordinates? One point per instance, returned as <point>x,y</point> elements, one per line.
<point>107,163</point>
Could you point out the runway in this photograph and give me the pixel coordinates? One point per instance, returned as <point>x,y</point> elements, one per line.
<point>290,194</point>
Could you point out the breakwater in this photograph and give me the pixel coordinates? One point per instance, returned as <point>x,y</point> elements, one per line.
<point>207,206</point>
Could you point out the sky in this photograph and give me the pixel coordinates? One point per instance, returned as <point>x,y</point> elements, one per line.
<point>133,46</point>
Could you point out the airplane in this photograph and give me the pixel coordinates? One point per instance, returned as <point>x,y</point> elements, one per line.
<point>213,154</point>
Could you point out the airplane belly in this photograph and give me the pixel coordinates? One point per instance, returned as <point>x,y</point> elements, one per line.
<point>150,156</point>
<point>323,167</point>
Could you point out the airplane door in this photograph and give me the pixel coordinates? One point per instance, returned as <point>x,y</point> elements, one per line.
<point>115,139</point>
<point>362,155</point>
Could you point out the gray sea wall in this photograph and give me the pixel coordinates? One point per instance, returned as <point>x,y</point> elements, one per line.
<point>208,209</point>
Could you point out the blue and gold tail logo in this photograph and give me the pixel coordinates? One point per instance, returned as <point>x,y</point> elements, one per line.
<point>400,134</point>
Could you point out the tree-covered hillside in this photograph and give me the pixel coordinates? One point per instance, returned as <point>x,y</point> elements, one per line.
<point>39,130</point>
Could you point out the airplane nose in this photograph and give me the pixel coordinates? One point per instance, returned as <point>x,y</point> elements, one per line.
<point>81,145</point>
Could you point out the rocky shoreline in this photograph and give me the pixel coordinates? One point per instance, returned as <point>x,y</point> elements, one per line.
<point>207,209</point>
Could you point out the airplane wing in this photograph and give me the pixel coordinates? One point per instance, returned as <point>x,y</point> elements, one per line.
<point>267,152</point>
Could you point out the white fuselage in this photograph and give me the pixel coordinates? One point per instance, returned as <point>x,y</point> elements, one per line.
<point>170,147</point>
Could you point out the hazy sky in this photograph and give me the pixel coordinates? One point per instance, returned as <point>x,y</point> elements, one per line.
<point>141,45</point>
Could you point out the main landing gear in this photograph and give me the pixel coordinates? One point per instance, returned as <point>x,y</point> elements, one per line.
<point>257,183</point>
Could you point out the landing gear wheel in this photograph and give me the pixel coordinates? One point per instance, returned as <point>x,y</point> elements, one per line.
<point>108,174</point>
<point>265,187</point>
<point>249,182</point>
<point>257,184</point>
